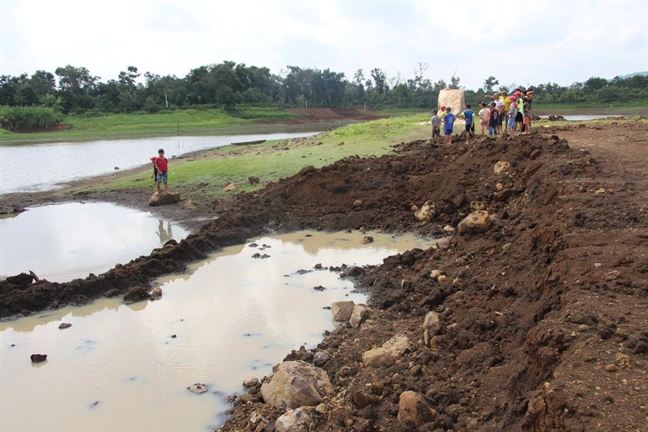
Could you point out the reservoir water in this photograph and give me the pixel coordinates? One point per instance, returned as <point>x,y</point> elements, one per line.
<point>66,241</point>
<point>39,167</point>
<point>128,367</point>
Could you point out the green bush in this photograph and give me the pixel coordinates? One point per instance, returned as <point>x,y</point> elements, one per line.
<point>19,118</point>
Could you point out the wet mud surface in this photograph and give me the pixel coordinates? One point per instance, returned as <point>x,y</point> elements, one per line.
<point>542,318</point>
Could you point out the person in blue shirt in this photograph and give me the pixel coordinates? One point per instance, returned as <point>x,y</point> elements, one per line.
<point>448,119</point>
<point>469,115</point>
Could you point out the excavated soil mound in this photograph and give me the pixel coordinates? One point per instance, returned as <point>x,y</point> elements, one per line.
<point>541,319</point>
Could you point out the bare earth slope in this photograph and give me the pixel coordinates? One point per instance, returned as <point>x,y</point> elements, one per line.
<point>543,318</point>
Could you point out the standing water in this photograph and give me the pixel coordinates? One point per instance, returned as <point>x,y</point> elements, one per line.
<point>67,241</point>
<point>37,167</point>
<point>128,367</point>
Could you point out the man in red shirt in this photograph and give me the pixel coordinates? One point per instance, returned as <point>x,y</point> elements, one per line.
<point>162,165</point>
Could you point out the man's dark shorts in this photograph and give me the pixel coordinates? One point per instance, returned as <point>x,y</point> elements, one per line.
<point>518,117</point>
<point>436,132</point>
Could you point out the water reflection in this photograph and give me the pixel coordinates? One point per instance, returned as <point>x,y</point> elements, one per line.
<point>67,241</point>
<point>127,367</point>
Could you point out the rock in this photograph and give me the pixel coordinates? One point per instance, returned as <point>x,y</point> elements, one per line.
<point>453,98</point>
<point>116,168</point>
<point>156,293</point>
<point>442,278</point>
<point>321,409</point>
<point>611,368</point>
<point>38,358</point>
<point>64,326</point>
<point>501,167</point>
<point>435,274</point>
<point>297,420</point>
<point>600,191</point>
<point>475,222</point>
<point>431,326</point>
<point>448,228</point>
<point>135,294</point>
<point>250,382</point>
<point>231,187</point>
<point>426,213</point>
<point>398,345</point>
<point>359,315</point>
<point>503,195</point>
<point>321,358</point>
<point>414,411</point>
<point>295,384</point>
<point>367,240</point>
<point>363,400</point>
<point>378,357</point>
<point>442,243</point>
<point>622,360</point>
<point>198,388</point>
<point>406,285</point>
<point>477,205</point>
<point>22,279</point>
<point>253,180</point>
<point>342,310</point>
<point>163,198</point>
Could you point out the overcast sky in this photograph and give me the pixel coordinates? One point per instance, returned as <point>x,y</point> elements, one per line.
<point>522,42</point>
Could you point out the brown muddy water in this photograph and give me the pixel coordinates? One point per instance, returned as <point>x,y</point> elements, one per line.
<point>125,367</point>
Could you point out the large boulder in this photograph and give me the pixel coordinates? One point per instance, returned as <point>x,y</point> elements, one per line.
<point>295,384</point>
<point>475,222</point>
<point>453,98</point>
<point>164,198</point>
<point>414,411</point>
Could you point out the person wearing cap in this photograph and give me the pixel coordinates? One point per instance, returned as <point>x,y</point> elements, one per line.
<point>484,117</point>
<point>442,112</point>
<point>527,115</point>
<point>162,166</point>
<point>448,120</point>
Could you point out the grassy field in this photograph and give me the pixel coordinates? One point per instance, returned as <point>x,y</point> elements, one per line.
<point>585,109</point>
<point>204,178</point>
<point>144,124</point>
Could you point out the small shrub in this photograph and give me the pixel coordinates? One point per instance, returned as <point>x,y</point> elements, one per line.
<point>28,118</point>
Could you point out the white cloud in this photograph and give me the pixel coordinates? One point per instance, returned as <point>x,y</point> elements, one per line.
<point>523,42</point>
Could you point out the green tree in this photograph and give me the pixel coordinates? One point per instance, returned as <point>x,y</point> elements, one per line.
<point>489,84</point>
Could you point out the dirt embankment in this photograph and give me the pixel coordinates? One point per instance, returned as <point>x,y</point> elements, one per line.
<point>542,318</point>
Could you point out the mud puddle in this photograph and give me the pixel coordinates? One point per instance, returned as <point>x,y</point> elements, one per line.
<point>128,367</point>
<point>66,241</point>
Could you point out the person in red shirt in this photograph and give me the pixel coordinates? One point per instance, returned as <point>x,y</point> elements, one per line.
<point>162,165</point>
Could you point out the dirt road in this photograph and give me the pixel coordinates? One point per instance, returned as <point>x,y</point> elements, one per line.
<point>542,319</point>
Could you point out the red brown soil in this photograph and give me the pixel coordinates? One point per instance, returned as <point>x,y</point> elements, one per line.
<point>534,312</point>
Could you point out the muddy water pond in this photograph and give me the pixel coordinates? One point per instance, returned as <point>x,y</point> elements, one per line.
<point>67,241</point>
<point>125,367</point>
<point>37,167</point>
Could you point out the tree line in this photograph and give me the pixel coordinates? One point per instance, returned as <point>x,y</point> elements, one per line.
<point>73,89</point>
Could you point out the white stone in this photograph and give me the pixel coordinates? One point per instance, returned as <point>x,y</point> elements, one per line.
<point>359,315</point>
<point>297,420</point>
<point>431,326</point>
<point>453,98</point>
<point>250,382</point>
<point>397,345</point>
<point>501,167</point>
<point>378,357</point>
<point>342,310</point>
<point>426,213</point>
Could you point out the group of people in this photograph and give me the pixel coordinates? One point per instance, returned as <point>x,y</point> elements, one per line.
<point>516,109</point>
